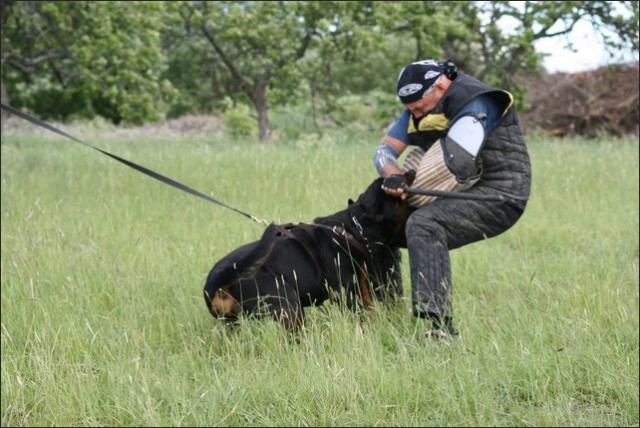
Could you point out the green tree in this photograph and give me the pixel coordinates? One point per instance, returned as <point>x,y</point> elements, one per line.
<point>252,42</point>
<point>61,59</point>
<point>389,35</point>
<point>266,50</point>
<point>500,46</point>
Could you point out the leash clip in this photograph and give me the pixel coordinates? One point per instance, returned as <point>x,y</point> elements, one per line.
<point>358,225</point>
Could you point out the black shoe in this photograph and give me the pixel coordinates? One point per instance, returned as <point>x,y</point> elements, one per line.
<point>442,327</point>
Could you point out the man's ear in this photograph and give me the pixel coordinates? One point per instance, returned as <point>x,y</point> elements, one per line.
<point>410,176</point>
<point>441,84</point>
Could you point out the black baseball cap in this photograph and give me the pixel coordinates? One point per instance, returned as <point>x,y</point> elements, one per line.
<point>418,77</point>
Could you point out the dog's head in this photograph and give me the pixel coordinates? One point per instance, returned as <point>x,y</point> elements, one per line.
<point>381,216</point>
<point>242,283</point>
<point>254,297</point>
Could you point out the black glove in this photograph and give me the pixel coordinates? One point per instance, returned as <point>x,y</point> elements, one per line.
<point>394,181</point>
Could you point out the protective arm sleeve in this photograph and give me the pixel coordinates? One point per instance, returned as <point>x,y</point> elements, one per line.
<point>387,154</point>
<point>384,155</point>
<point>482,105</point>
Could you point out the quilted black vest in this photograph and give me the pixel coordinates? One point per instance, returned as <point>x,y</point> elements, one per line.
<point>506,166</point>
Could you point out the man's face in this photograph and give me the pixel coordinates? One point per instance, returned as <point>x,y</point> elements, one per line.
<point>428,102</point>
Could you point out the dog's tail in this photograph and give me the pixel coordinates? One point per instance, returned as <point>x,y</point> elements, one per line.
<point>244,266</point>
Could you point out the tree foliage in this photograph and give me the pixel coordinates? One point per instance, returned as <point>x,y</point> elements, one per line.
<point>263,52</point>
<point>63,59</point>
<point>137,61</point>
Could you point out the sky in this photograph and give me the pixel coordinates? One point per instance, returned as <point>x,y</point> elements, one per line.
<point>590,52</point>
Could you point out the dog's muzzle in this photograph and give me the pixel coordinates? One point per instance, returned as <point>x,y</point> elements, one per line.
<point>221,304</point>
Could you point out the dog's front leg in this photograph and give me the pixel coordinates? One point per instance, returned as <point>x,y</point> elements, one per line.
<point>285,307</point>
<point>363,286</point>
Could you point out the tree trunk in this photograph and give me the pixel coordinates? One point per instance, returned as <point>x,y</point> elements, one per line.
<point>264,131</point>
<point>260,103</point>
<point>5,100</point>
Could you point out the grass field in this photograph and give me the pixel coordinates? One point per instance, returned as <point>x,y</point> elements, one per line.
<point>104,324</point>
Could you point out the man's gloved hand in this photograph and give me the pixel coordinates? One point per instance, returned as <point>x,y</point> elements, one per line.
<point>394,181</point>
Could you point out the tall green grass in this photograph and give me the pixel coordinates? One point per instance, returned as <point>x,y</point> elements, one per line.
<point>103,320</point>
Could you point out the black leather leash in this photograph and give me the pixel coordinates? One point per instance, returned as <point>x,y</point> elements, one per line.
<point>185,188</point>
<point>130,164</point>
<point>454,195</point>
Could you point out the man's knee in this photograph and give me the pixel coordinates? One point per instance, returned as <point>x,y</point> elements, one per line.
<point>422,225</point>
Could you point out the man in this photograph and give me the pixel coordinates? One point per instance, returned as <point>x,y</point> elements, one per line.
<point>466,137</point>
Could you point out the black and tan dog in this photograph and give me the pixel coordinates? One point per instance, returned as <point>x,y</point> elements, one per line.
<point>345,255</point>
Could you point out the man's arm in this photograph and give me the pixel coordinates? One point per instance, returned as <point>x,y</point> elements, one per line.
<point>386,156</point>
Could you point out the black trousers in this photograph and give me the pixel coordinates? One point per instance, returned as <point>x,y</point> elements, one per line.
<point>445,224</point>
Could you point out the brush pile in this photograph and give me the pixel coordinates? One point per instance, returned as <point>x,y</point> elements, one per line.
<point>589,103</point>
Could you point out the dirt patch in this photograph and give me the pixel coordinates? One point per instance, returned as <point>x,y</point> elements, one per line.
<point>210,126</point>
<point>188,124</point>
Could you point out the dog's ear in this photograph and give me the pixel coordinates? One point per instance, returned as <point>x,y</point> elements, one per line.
<point>369,203</point>
<point>410,176</point>
<point>350,202</point>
